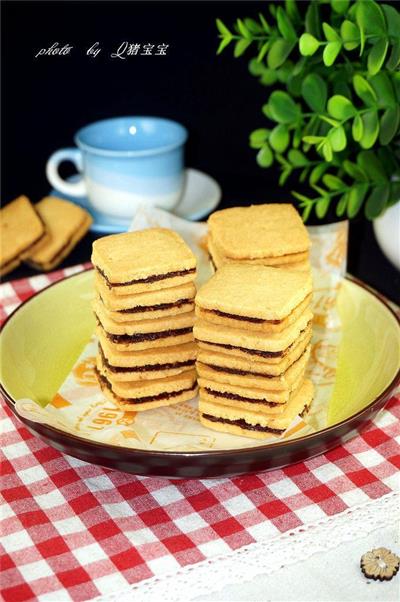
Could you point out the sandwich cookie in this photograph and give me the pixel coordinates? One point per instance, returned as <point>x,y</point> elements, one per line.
<point>265,397</point>
<point>66,223</point>
<point>255,296</point>
<point>257,425</point>
<point>232,376</point>
<point>294,261</point>
<point>145,260</point>
<point>148,364</point>
<point>147,395</point>
<point>259,232</point>
<point>134,327</point>
<point>250,343</point>
<point>260,361</point>
<point>143,306</point>
<point>21,228</point>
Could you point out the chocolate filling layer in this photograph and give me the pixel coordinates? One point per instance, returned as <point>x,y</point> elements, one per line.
<point>223,314</point>
<point>249,351</point>
<point>246,318</point>
<point>146,368</point>
<point>143,308</point>
<point>238,371</point>
<point>148,280</point>
<point>162,396</point>
<point>244,425</point>
<point>147,336</point>
<point>256,351</point>
<point>235,397</point>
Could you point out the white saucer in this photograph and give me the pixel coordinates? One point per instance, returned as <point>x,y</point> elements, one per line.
<point>201,196</point>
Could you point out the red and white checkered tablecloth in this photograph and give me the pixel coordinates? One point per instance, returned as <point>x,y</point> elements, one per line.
<point>74,531</point>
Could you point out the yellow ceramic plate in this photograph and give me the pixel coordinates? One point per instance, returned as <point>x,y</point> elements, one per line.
<point>42,339</point>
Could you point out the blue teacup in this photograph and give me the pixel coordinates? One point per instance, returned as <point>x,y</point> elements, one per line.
<point>124,162</point>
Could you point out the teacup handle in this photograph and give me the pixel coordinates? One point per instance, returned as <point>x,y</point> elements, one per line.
<point>70,188</point>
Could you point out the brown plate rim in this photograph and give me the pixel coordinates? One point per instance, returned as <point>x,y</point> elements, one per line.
<point>210,453</point>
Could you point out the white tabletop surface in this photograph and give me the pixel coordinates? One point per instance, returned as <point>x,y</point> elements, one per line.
<point>332,576</point>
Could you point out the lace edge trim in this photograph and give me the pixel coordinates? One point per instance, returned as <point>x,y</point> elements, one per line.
<point>283,550</point>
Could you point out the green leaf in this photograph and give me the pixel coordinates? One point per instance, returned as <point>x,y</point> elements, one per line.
<point>297,159</point>
<point>377,56</point>
<point>394,58</point>
<point>330,53</point>
<point>279,52</point>
<point>292,11</point>
<point>337,138</point>
<point>364,90</point>
<point>334,122</point>
<point>284,176</point>
<point>327,151</point>
<point>371,128</point>
<point>263,51</point>
<point>376,201</point>
<point>256,68</point>
<point>223,44</point>
<point>282,107</point>
<point>253,26</point>
<point>285,25</point>
<point>392,20</point>
<point>243,29</point>
<point>223,30</point>
<point>304,174</point>
<point>258,137</point>
<point>297,137</point>
<point>315,92</point>
<point>389,125</point>
<point>341,107</point>
<point>389,163</point>
<point>293,84</point>
<point>308,45</point>
<point>265,157</point>
<point>369,17</point>
<point>354,171</point>
<point>383,89</point>
<point>370,164</point>
<point>340,6</point>
<point>357,129</point>
<point>312,20</point>
<point>341,206</point>
<point>318,172</point>
<point>313,139</point>
<point>350,35</point>
<point>240,47</point>
<point>267,111</point>
<point>332,182</point>
<point>330,34</point>
<point>355,199</point>
<point>264,23</point>
<point>322,206</point>
<point>279,138</point>
<point>268,78</point>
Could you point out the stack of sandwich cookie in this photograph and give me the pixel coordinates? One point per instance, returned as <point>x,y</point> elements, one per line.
<point>253,329</point>
<point>271,235</point>
<point>144,307</point>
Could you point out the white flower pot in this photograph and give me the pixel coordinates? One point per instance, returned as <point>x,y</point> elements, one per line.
<point>387,233</point>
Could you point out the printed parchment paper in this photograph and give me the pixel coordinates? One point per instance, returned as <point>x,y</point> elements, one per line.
<point>80,408</point>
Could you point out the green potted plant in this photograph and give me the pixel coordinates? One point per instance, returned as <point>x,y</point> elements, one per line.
<point>332,120</point>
